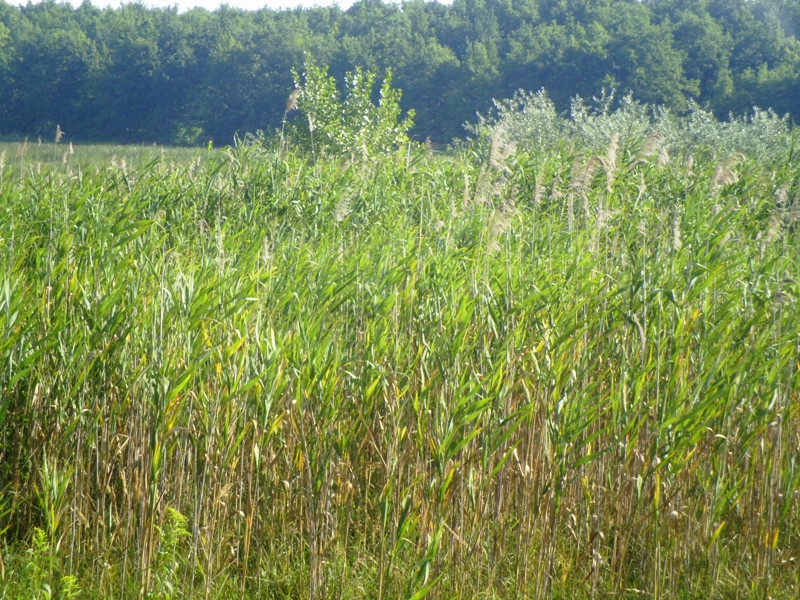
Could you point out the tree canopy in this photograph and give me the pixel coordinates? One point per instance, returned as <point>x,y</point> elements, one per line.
<point>156,75</point>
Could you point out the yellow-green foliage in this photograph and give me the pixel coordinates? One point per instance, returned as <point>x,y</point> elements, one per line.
<point>527,376</point>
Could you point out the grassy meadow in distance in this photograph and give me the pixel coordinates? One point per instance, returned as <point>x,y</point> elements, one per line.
<point>504,372</point>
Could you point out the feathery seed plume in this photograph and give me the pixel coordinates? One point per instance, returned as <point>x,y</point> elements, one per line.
<point>501,148</point>
<point>342,209</point>
<point>724,173</point>
<point>652,146</point>
<point>291,102</point>
<point>589,172</point>
<point>663,157</point>
<point>677,242</point>
<point>610,161</point>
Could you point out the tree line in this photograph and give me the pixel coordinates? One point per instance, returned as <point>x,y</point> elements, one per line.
<point>134,74</point>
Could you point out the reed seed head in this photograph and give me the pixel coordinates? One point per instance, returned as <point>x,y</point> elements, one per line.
<point>292,101</point>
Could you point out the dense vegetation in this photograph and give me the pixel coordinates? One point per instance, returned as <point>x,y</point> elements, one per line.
<point>558,369</point>
<point>139,75</point>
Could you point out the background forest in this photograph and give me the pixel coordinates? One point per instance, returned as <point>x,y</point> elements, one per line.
<point>135,74</point>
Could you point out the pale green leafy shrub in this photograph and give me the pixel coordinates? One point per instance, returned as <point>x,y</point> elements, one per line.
<point>352,126</point>
<point>35,574</point>
<point>169,560</point>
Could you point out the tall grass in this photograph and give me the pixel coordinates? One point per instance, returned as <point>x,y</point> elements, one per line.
<point>441,377</point>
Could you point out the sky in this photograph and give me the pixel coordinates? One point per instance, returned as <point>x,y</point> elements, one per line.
<point>184,5</point>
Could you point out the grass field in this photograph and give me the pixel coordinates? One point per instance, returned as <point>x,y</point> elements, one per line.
<point>494,374</point>
<point>23,158</point>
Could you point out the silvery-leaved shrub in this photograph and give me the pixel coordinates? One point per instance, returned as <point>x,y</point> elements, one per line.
<point>534,124</point>
<point>527,118</point>
<point>761,134</point>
